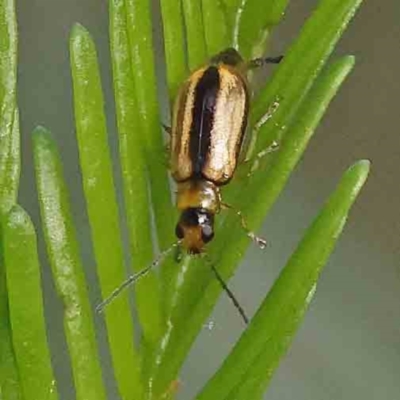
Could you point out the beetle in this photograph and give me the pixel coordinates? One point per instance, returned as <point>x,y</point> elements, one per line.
<point>208,127</point>
<point>209,122</point>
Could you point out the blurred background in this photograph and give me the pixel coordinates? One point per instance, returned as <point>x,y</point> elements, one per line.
<point>349,344</point>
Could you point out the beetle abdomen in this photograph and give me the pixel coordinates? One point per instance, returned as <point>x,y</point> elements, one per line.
<point>209,121</point>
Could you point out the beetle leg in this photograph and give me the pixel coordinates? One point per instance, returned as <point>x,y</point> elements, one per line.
<point>268,114</point>
<point>261,242</point>
<point>274,146</point>
<point>264,119</point>
<point>259,62</point>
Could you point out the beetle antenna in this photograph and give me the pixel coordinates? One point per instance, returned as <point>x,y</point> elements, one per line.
<point>134,277</point>
<point>229,292</point>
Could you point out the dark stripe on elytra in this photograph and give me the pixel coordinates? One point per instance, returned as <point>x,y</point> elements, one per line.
<point>205,99</point>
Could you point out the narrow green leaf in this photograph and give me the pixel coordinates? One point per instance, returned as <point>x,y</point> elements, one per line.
<point>10,166</point>
<point>9,120</point>
<point>98,183</point>
<point>9,182</point>
<point>232,7</point>
<point>215,26</point>
<point>134,172</point>
<point>8,73</point>
<point>251,384</point>
<point>10,386</point>
<point>138,21</point>
<point>63,252</point>
<point>9,176</point>
<point>195,35</point>
<point>26,307</point>
<point>266,340</point>
<point>264,187</point>
<point>174,44</point>
<point>302,63</point>
<point>254,21</point>
<point>185,290</point>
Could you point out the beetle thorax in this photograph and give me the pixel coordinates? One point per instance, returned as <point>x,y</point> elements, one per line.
<point>198,200</point>
<point>198,194</point>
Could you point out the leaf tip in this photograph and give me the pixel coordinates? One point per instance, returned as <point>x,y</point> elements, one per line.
<point>40,132</point>
<point>356,175</point>
<point>78,30</point>
<point>351,58</point>
<point>348,61</point>
<point>17,217</point>
<point>42,138</point>
<point>361,168</point>
<point>80,40</point>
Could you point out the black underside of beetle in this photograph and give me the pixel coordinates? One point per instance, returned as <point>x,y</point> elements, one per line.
<point>205,99</point>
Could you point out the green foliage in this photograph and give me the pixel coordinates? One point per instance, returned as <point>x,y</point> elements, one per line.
<point>64,256</point>
<point>9,179</point>
<point>27,320</point>
<point>172,304</point>
<point>102,207</point>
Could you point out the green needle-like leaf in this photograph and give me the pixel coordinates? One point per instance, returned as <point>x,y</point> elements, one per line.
<point>265,188</point>
<point>102,208</point>
<point>134,173</point>
<point>138,21</point>
<point>9,182</point>
<point>8,79</point>
<point>232,8</point>
<point>9,178</point>
<point>26,307</point>
<point>195,35</point>
<point>255,21</point>
<point>173,29</point>
<point>232,5</point>
<point>10,165</point>
<point>63,253</point>
<point>216,26</point>
<point>10,385</point>
<point>261,347</point>
<point>9,125</point>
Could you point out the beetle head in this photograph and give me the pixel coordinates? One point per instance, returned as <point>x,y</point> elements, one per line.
<point>195,228</point>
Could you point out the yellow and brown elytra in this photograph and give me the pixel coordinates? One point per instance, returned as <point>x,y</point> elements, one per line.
<point>208,127</point>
